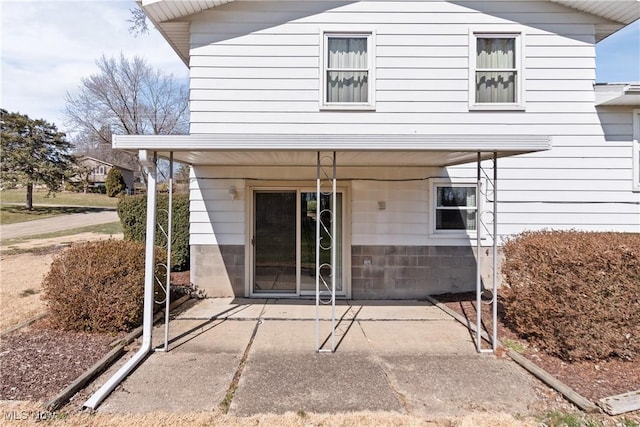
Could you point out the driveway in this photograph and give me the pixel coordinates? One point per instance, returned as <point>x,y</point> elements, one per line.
<point>397,356</point>
<point>58,223</point>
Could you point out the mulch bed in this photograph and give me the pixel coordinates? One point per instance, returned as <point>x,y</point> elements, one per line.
<point>593,380</point>
<point>38,362</point>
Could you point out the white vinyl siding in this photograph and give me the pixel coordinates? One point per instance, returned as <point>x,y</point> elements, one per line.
<point>256,67</point>
<point>635,180</point>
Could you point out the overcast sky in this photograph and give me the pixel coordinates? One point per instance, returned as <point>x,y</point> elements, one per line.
<point>48,46</point>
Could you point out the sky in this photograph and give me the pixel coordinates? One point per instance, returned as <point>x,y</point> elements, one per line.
<point>48,46</point>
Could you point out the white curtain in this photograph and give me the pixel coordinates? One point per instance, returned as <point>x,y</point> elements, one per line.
<point>347,70</point>
<point>495,86</point>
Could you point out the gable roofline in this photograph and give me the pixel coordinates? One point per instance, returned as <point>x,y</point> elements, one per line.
<point>171,17</point>
<point>81,158</point>
<point>618,94</point>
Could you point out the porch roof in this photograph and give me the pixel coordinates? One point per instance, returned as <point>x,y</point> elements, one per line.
<point>353,150</point>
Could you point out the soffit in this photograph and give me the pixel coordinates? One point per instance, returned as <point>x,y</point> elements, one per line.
<point>352,150</point>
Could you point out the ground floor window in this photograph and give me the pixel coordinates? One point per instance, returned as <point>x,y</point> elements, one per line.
<point>455,207</point>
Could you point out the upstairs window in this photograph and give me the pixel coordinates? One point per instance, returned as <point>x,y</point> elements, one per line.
<point>455,207</point>
<point>347,71</point>
<point>496,71</point>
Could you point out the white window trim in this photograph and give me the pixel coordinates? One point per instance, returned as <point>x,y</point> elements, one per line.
<point>371,61</point>
<point>635,170</point>
<point>520,103</point>
<point>448,182</point>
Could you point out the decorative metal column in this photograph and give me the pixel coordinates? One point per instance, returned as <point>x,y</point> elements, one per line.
<point>168,233</point>
<point>487,192</point>
<point>325,242</point>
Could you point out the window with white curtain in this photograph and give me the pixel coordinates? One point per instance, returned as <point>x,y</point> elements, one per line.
<point>497,70</point>
<point>347,70</point>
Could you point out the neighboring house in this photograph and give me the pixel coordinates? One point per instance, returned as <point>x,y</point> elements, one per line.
<point>408,95</point>
<point>95,172</point>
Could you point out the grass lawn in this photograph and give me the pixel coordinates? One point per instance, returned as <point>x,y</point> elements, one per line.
<point>10,214</point>
<point>64,198</point>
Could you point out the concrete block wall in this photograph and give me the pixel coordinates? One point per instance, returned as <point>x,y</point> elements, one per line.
<point>377,272</point>
<point>218,269</point>
<point>409,272</point>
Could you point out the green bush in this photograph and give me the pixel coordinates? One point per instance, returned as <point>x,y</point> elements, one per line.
<point>132,211</point>
<point>573,294</point>
<point>114,183</point>
<point>98,286</point>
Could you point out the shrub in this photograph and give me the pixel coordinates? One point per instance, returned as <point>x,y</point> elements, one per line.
<point>575,295</point>
<point>98,286</point>
<point>132,211</point>
<point>114,183</point>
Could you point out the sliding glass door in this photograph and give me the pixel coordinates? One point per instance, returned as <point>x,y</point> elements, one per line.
<point>284,241</point>
<point>274,242</point>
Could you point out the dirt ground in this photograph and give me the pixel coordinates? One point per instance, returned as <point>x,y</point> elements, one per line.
<point>22,268</point>
<point>30,413</point>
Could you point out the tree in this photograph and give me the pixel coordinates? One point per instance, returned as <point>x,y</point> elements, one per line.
<point>138,22</point>
<point>33,151</point>
<point>128,97</point>
<point>115,184</point>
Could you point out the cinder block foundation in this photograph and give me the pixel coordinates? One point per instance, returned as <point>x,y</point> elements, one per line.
<point>377,272</point>
<point>411,272</point>
<point>218,269</point>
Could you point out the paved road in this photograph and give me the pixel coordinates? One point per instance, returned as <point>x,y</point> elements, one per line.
<point>56,223</point>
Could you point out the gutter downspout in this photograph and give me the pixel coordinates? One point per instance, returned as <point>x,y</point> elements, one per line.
<point>149,267</point>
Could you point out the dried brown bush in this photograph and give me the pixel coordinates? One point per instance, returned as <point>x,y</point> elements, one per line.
<point>97,286</point>
<point>573,294</point>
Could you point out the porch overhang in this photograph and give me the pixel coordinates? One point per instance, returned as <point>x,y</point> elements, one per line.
<point>352,150</point>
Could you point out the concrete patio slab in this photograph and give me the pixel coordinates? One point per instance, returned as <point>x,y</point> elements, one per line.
<point>206,336</point>
<point>193,376</point>
<point>418,337</point>
<point>400,356</point>
<point>459,384</point>
<point>175,382</point>
<point>299,336</point>
<point>303,310</point>
<point>398,310</point>
<point>222,308</point>
<point>277,382</point>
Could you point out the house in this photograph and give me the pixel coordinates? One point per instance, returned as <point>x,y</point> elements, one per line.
<point>94,172</point>
<point>390,145</point>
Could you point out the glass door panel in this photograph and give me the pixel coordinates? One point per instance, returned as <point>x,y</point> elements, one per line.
<point>308,240</point>
<point>274,242</point>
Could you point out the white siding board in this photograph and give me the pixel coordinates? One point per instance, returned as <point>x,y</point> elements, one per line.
<point>480,118</point>
<point>378,128</point>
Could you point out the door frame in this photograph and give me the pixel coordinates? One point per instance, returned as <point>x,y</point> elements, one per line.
<point>299,187</point>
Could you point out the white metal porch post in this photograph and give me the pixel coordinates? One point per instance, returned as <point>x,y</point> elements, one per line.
<point>483,192</point>
<point>149,164</point>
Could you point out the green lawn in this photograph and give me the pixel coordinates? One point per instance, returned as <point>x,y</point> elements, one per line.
<point>64,198</point>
